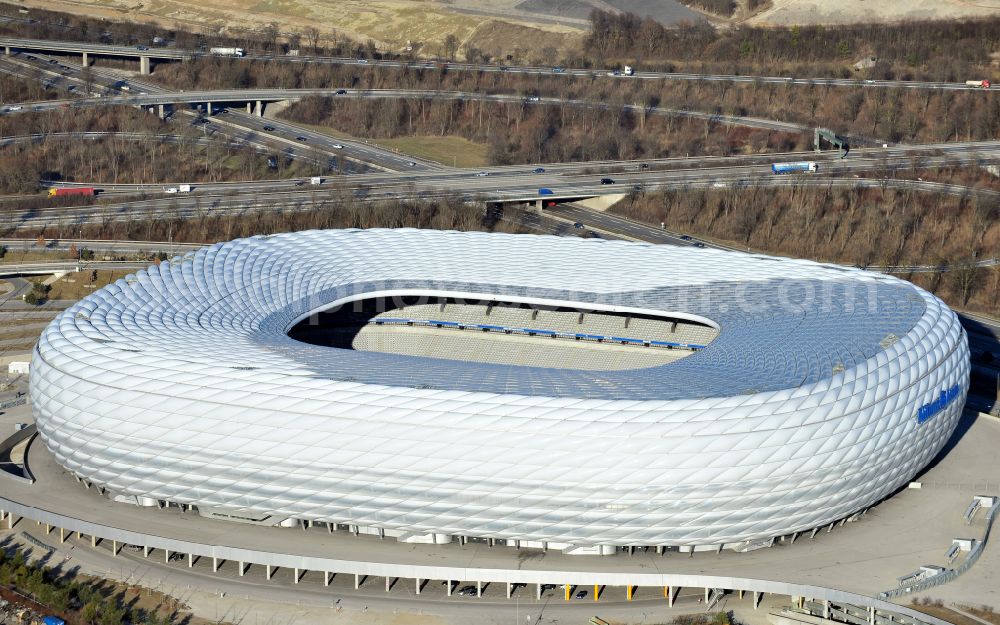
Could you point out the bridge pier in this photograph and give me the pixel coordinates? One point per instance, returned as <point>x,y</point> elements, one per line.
<point>144,67</point>
<point>6,50</point>
<point>208,109</point>
<point>249,108</point>
<point>538,206</point>
<point>161,111</point>
<point>259,111</point>
<point>86,60</point>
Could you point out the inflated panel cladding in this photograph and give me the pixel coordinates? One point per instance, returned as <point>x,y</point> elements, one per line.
<point>181,384</point>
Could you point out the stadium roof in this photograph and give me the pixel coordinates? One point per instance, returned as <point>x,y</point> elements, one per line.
<point>784,323</point>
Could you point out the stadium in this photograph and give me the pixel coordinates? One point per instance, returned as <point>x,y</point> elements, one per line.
<point>533,391</point>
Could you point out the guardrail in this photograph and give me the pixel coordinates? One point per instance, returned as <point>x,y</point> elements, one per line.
<point>949,574</point>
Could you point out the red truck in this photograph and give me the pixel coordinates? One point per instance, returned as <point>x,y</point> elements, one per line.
<point>981,84</point>
<point>58,192</point>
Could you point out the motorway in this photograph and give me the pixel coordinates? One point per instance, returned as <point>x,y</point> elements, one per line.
<point>255,94</point>
<point>238,127</point>
<point>177,54</point>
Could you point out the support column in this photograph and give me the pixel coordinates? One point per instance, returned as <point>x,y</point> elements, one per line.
<point>191,563</point>
<point>388,583</point>
<point>871,615</point>
<point>672,594</point>
<point>508,589</point>
<point>144,68</point>
<point>93,542</point>
<point>538,592</point>
<point>215,564</point>
<point>418,587</point>
<point>166,556</point>
<point>6,50</point>
<point>260,109</point>
<point>826,609</point>
<point>295,575</point>
<point>269,571</point>
<point>756,599</point>
<point>10,520</point>
<point>114,547</point>
<point>357,581</point>
<point>145,551</point>
<point>248,108</point>
<point>538,205</point>
<point>479,589</point>
<point>706,596</point>
<point>48,529</point>
<point>208,109</point>
<point>161,111</point>
<point>449,587</point>
<point>242,568</point>
<point>628,592</point>
<point>86,60</point>
<point>597,592</point>
<point>566,591</point>
<point>62,535</point>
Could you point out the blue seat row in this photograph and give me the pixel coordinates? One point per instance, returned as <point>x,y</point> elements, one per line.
<point>537,331</point>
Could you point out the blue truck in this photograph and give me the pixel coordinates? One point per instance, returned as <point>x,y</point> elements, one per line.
<point>791,168</point>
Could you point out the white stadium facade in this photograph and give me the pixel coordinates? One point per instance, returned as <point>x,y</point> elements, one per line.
<point>581,395</point>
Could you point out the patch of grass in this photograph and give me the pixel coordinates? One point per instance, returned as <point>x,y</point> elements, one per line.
<point>16,256</point>
<point>457,151</point>
<point>75,286</point>
<point>946,614</point>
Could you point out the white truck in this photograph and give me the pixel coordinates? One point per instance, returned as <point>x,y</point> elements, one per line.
<point>628,71</point>
<point>316,180</point>
<point>227,51</point>
<point>184,188</point>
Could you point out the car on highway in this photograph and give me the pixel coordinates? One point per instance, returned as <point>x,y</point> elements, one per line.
<point>558,70</point>
<point>338,146</point>
<point>699,244</point>
<point>538,170</point>
<point>534,98</point>
<point>578,225</point>
<point>545,191</point>
<point>301,138</point>
<point>581,594</point>
<point>685,237</point>
<point>269,128</point>
<point>11,109</point>
<point>170,190</point>
<point>362,60</point>
<point>341,92</point>
<point>412,163</point>
<point>607,181</point>
<point>52,61</point>
<point>141,48</point>
<point>483,174</point>
<point>71,88</point>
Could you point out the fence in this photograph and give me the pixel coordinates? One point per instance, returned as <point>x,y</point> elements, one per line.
<point>949,574</point>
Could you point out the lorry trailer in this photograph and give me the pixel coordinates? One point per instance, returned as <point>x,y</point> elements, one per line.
<point>979,84</point>
<point>791,168</point>
<point>61,191</point>
<point>227,51</point>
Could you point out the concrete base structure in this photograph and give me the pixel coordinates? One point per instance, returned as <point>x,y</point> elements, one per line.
<point>868,555</point>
